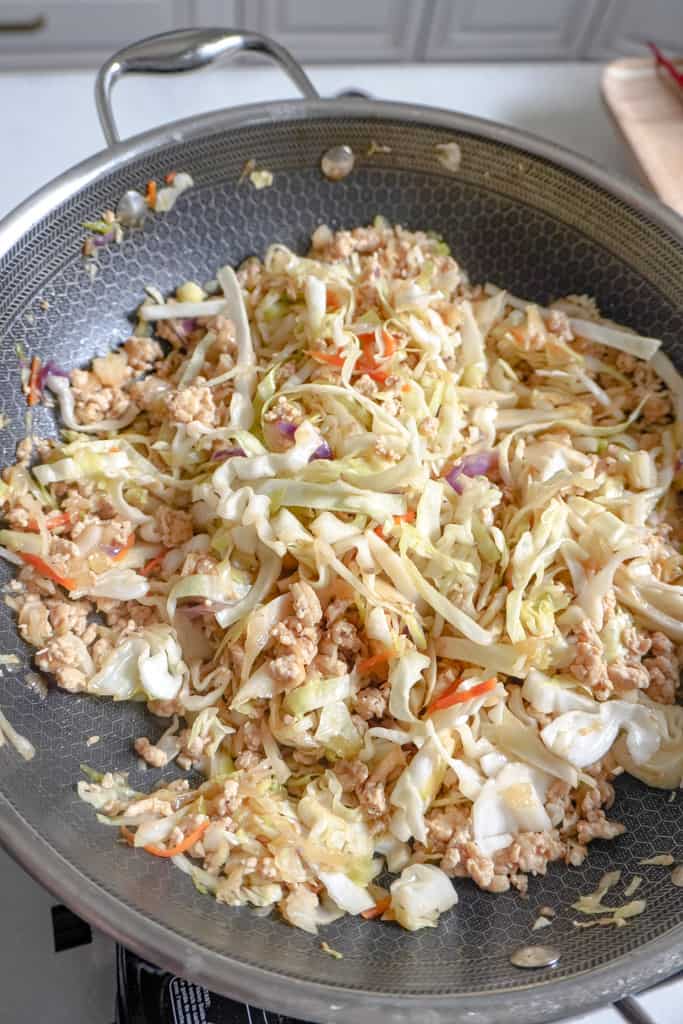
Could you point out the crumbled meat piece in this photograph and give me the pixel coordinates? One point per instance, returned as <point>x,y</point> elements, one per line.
<point>93,402</point>
<point>112,370</point>
<point>351,774</point>
<point>306,604</point>
<point>596,826</point>
<point>288,671</point>
<point>429,427</point>
<point>344,634</point>
<point>624,677</point>
<point>70,617</point>
<point>194,404</point>
<point>284,410</point>
<point>63,656</point>
<point>365,385</point>
<point>34,621</point>
<point>224,330</point>
<point>663,670</point>
<point>531,852</point>
<point>589,665</point>
<point>387,449</point>
<point>154,756</point>
<point>142,353</point>
<point>247,759</point>
<point>373,799</point>
<point>370,703</point>
<point>175,526</point>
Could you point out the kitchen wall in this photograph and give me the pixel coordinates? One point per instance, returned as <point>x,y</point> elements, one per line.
<point>81,33</point>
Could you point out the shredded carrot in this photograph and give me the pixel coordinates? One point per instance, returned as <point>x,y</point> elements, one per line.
<point>378,909</point>
<point>151,193</point>
<point>519,334</point>
<point>367,664</point>
<point>46,570</point>
<point>407,517</point>
<point>170,177</point>
<point>125,549</point>
<point>332,301</point>
<point>154,563</point>
<point>405,387</point>
<point>128,835</point>
<point>454,696</point>
<point>33,396</point>
<point>332,359</point>
<point>182,846</point>
<point>53,522</point>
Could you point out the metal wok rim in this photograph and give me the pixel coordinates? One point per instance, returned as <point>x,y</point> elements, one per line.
<point>655,961</point>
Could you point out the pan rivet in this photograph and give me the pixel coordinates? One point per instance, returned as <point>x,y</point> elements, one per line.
<point>131,209</point>
<point>337,162</point>
<point>535,956</point>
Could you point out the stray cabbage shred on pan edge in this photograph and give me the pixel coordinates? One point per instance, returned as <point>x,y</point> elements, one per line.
<point>393,559</point>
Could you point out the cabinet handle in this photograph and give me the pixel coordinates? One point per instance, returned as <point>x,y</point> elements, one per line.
<point>32,25</point>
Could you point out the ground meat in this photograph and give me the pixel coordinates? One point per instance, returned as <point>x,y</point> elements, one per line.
<point>224,330</point>
<point>530,852</point>
<point>624,677</point>
<point>93,402</point>
<point>589,665</point>
<point>285,411</point>
<point>142,353</point>
<point>663,670</point>
<point>154,756</point>
<point>70,617</point>
<point>306,604</point>
<point>63,656</point>
<point>247,760</point>
<point>193,405</point>
<point>112,370</point>
<point>351,774</point>
<point>596,826</point>
<point>465,860</point>
<point>175,526</point>
<point>344,634</point>
<point>288,670</point>
<point>34,621</point>
<point>373,799</point>
<point>370,703</point>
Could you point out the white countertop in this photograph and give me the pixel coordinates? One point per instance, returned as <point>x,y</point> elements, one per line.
<point>559,101</point>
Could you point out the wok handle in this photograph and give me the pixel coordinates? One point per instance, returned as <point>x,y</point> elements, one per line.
<point>186,50</point>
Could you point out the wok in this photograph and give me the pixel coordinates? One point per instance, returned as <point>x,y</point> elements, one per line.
<point>519,211</point>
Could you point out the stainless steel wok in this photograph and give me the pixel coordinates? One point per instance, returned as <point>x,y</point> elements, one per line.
<point>519,211</point>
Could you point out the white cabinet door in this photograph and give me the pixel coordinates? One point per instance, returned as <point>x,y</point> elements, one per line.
<point>73,33</point>
<point>321,30</point>
<point>518,30</point>
<point>627,25</point>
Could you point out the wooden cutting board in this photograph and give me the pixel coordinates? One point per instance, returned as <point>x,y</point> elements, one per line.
<point>648,107</point>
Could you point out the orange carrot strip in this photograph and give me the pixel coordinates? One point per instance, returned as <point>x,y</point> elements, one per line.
<point>46,570</point>
<point>33,396</point>
<point>53,522</point>
<point>407,517</point>
<point>455,696</point>
<point>327,357</point>
<point>332,301</point>
<point>154,563</point>
<point>378,909</point>
<point>367,664</point>
<point>151,193</point>
<point>125,549</point>
<point>127,835</point>
<point>182,846</point>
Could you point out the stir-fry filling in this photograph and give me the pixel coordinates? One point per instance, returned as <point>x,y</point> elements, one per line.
<point>394,560</point>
